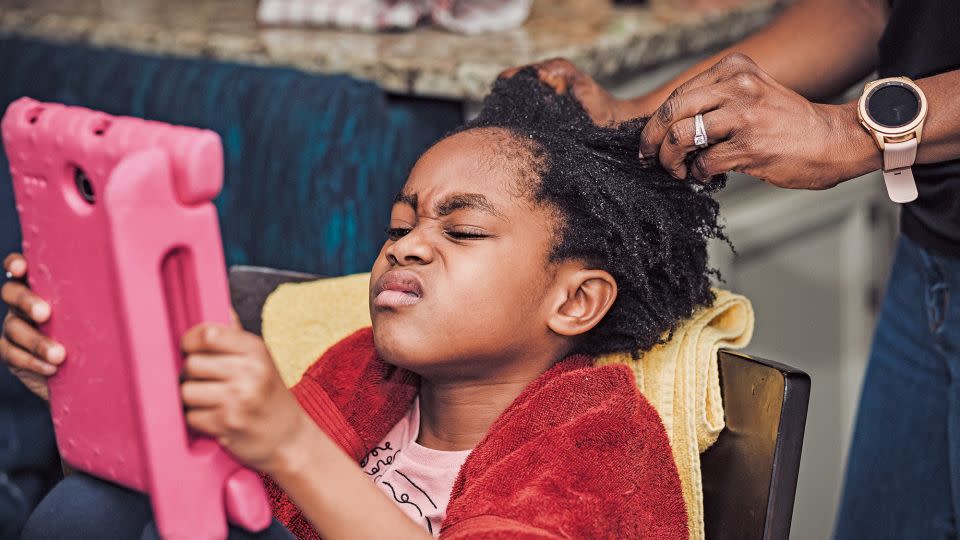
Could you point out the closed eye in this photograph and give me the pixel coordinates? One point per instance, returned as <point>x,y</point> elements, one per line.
<point>396,233</point>
<point>466,235</point>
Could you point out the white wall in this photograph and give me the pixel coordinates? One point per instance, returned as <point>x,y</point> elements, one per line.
<point>813,264</point>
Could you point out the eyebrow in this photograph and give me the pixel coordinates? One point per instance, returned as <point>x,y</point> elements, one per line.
<point>409,199</point>
<point>454,202</point>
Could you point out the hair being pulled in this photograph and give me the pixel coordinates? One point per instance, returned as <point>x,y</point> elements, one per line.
<point>615,212</point>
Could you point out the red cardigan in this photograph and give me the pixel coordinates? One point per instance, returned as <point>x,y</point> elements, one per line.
<point>579,454</point>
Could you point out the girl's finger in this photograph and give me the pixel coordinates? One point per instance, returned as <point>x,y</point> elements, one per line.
<point>16,265</point>
<point>208,421</point>
<point>218,339</point>
<point>236,319</point>
<point>24,335</point>
<point>19,358</point>
<point>204,394</point>
<point>19,296</point>
<point>209,367</point>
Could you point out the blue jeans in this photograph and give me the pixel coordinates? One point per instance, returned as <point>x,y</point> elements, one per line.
<point>903,470</point>
<point>83,507</point>
<point>29,464</point>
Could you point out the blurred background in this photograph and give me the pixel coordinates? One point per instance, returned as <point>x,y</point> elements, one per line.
<point>323,107</point>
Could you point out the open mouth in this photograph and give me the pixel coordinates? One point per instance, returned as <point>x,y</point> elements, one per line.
<point>397,288</point>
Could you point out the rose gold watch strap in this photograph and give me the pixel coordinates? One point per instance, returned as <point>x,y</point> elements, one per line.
<point>897,173</point>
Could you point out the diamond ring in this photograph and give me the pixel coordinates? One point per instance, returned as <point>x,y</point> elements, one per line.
<point>9,276</point>
<point>700,134</point>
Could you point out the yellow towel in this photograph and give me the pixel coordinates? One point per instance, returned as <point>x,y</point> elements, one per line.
<point>302,320</point>
<point>680,378</point>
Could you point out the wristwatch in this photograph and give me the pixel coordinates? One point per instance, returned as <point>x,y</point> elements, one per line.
<point>893,111</point>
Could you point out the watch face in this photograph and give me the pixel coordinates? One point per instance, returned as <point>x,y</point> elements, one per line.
<point>893,105</point>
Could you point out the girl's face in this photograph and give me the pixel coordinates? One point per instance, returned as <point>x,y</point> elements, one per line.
<point>459,288</point>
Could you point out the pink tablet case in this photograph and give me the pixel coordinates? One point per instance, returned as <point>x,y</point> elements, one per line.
<point>126,276</point>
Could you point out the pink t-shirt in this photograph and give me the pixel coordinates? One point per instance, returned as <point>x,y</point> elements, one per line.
<point>417,479</point>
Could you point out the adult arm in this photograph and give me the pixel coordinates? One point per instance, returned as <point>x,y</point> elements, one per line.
<point>758,126</point>
<point>756,108</point>
<point>815,47</point>
<point>818,48</point>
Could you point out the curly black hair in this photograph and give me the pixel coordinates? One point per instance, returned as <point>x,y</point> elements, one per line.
<point>617,213</point>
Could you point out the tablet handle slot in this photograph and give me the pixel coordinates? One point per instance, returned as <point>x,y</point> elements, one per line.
<point>180,291</point>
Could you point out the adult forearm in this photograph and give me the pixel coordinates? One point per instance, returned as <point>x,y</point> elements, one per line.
<point>817,48</point>
<point>940,140</point>
<point>336,496</point>
<point>756,125</point>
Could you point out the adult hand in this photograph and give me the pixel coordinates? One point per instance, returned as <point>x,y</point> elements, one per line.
<point>757,126</point>
<point>232,392</point>
<point>561,75</point>
<point>30,356</point>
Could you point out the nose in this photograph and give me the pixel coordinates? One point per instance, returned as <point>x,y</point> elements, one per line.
<point>410,249</point>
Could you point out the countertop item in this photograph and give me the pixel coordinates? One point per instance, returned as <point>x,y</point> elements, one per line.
<point>606,41</point>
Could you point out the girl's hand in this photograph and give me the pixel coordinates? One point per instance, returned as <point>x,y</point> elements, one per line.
<point>30,356</point>
<point>757,126</point>
<point>232,392</point>
<point>561,75</point>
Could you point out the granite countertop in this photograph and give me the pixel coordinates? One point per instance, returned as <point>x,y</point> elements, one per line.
<point>605,41</point>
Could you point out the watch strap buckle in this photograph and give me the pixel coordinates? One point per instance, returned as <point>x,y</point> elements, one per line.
<point>901,187</point>
<point>898,157</point>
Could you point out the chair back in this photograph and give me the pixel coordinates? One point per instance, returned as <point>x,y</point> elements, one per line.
<point>749,474</point>
<point>251,285</point>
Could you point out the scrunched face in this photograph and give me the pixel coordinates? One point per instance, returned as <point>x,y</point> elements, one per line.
<point>533,231</point>
<point>462,284</point>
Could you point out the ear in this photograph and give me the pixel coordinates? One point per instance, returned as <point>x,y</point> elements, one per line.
<point>583,298</point>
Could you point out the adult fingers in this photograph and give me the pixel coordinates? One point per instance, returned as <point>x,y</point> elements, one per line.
<point>509,72</point>
<point>16,357</point>
<point>717,159</point>
<point>704,92</point>
<point>544,68</point>
<point>680,138</point>
<point>558,73</point>
<point>19,296</point>
<point>22,334</point>
<point>725,68</point>
<point>677,108</point>
<point>15,264</point>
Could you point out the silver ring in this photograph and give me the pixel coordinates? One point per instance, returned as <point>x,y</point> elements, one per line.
<point>9,276</point>
<point>700,135</point>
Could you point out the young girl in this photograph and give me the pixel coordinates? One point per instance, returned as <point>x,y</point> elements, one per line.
<point>520,247</point>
